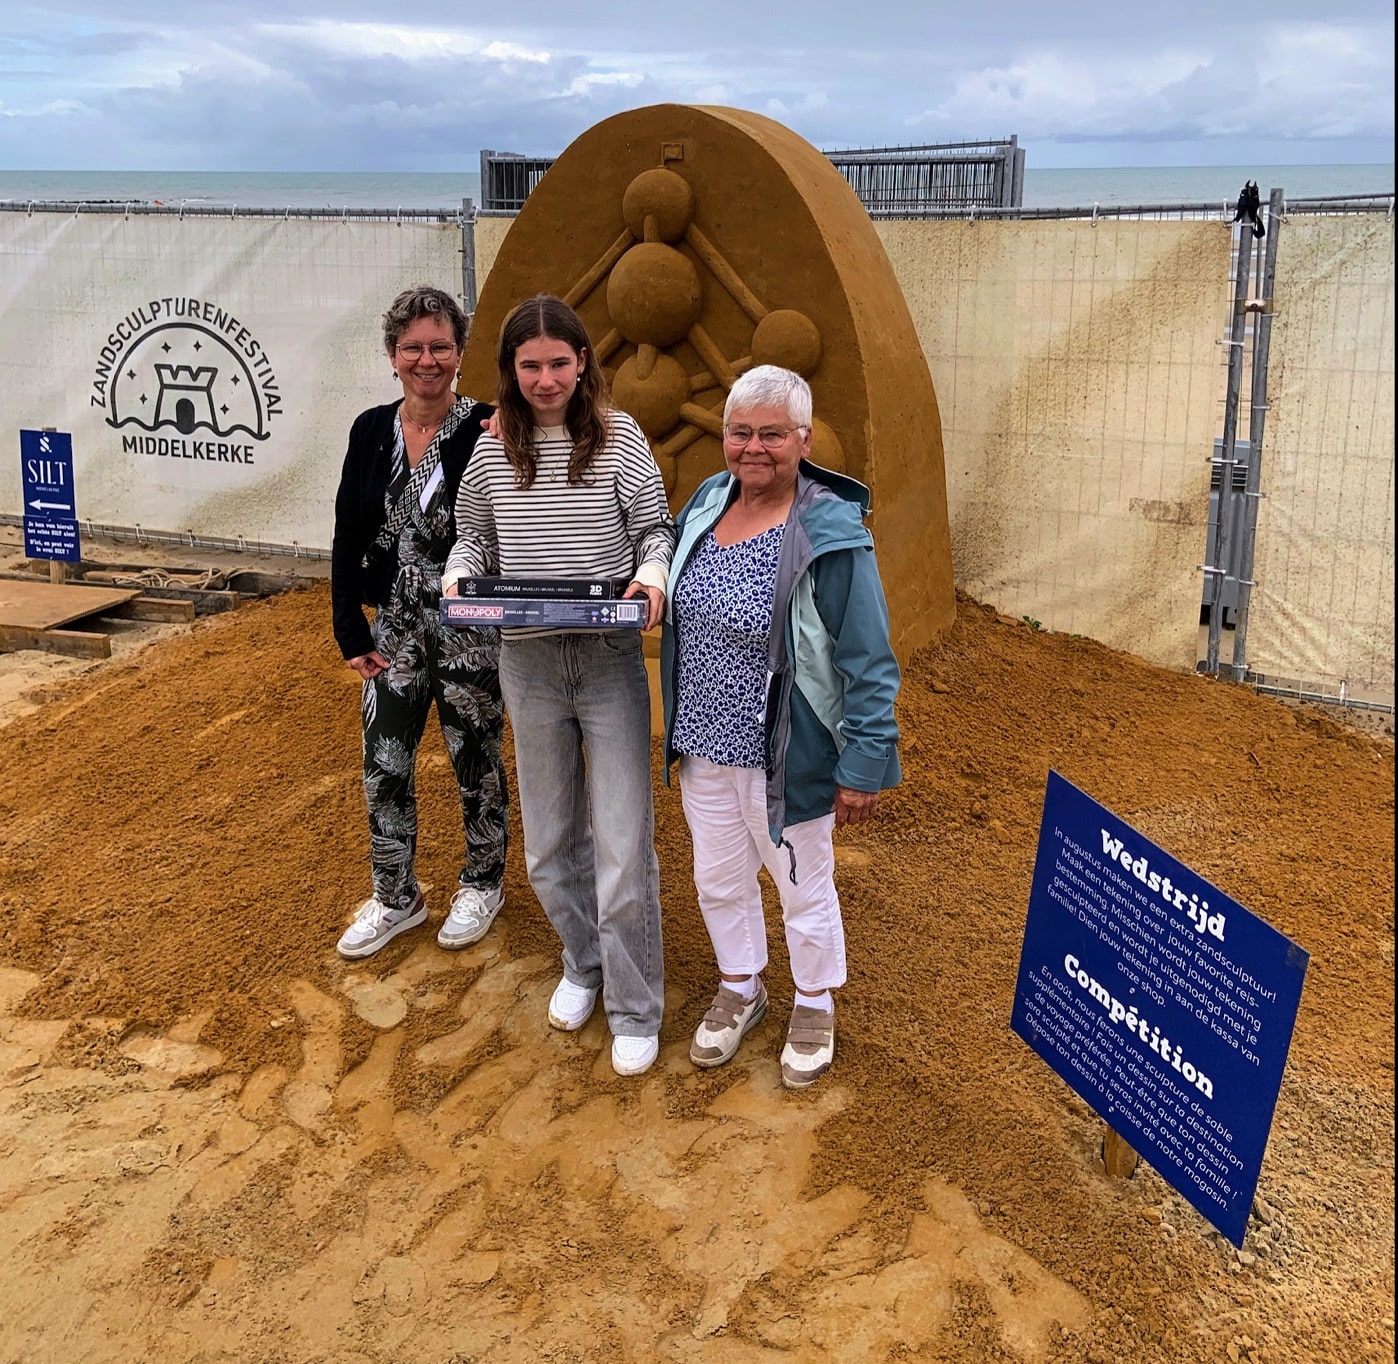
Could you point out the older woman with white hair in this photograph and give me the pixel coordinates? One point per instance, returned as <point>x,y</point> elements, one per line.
<point>778,681</point>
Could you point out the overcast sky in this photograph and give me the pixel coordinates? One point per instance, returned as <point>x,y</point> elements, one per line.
<point>348,85</point>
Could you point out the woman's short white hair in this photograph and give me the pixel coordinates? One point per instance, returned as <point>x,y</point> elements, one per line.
<point>771,386</point>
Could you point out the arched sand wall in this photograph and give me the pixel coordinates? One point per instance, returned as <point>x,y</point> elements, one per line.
<point>774,230</point>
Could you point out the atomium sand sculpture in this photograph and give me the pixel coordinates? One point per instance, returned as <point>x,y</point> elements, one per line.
<point>697,242</point>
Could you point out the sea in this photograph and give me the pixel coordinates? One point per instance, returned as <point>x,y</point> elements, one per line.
<point>1106,186</point>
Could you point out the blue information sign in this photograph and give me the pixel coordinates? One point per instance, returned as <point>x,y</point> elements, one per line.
<point>50,505</point>
<point>1166,1005</point>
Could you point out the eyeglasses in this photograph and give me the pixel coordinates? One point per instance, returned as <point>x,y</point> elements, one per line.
<point>771,437</point>
<point>440,350</point>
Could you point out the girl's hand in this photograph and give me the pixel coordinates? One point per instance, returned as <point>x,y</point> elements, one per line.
<point>655,602</point>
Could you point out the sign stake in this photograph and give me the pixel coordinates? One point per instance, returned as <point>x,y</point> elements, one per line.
<point>1118,1156</point>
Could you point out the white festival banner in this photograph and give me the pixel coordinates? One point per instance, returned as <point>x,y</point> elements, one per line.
<point>207,368</point>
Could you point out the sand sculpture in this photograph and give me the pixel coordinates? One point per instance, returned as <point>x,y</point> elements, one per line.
<point>696,242</point>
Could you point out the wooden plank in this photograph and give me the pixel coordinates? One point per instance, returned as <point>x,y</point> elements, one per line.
<point>74,643</point>
<point>1118,1156</point>
<point>44,606</point>
<point>21,575</point>
<point>206,601</point>
<point>108,566</point>
<point>152,608</point>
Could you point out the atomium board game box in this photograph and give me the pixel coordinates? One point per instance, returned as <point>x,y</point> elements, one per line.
<point>590,589</point>
<point>546,613</point>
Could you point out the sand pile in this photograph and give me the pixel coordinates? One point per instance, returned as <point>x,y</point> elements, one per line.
<point>222,1142</point>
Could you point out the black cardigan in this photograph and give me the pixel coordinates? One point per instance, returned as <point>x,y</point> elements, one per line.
<point>359,516</point>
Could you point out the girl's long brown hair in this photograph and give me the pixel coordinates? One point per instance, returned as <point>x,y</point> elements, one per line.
<point>546,315</point>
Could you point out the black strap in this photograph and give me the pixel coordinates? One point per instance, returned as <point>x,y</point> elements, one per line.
<point>403,509</point>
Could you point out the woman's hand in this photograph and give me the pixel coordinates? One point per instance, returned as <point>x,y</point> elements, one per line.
<point>491,425</point>
<point>655,601</point>
<point>854,807</point>
<point>369,665</point>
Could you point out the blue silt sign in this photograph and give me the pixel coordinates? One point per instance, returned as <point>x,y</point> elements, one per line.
<point>50,502</point>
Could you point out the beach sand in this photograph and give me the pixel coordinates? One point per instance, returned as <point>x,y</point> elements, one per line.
<point>221,1142</point>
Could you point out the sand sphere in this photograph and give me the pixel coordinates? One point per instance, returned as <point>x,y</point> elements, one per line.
<point>653,295</point>
<point>665,198</point>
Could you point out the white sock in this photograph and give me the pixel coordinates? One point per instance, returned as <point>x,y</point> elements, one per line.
<point>822,1001</point>
<point>746,989</point>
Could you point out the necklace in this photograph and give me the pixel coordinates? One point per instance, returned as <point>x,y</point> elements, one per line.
<point>426,430</point>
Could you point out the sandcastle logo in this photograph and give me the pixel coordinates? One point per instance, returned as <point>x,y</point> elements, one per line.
<point>179,366</point>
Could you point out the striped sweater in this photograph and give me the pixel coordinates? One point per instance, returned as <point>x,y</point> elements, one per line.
<point>615,524</point>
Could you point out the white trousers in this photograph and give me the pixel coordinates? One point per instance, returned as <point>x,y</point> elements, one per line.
<point>727,812</point>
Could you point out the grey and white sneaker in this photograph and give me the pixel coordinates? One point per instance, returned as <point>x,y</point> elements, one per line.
<point>810,1046</point>
<point>729,1017</point>
<point>473,910</point>
<point>375,925</point>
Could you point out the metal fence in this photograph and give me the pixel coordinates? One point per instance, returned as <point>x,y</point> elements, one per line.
<point>948,176</point>
<point>138,208</point>
<point>508,179</point>
<point>1076,374</point>
<point>1302,546</point>
<point>891,182</point>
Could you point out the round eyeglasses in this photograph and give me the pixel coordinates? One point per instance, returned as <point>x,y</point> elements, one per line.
<point>770,437</point>
<point>439,350</point>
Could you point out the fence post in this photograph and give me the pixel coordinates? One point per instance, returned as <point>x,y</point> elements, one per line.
<point>1242,275</point>
<point>1257,421</point>
<point>468,261</point>
<point>487,179</point>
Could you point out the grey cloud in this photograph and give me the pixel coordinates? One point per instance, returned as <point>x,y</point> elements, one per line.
<point>251,89</point>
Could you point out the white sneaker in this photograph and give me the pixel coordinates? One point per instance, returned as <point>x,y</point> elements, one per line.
<point>376,924</point>
<point>473,910</point>
<point>571,1005</point>
<point>634,1055</point>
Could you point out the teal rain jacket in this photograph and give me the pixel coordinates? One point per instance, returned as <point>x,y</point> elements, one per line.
<point>832,676</point>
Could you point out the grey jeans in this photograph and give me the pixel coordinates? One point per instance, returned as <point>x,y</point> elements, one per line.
<point>580,710</point>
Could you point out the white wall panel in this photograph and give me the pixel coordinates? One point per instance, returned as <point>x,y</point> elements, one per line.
<point>208,368</point>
